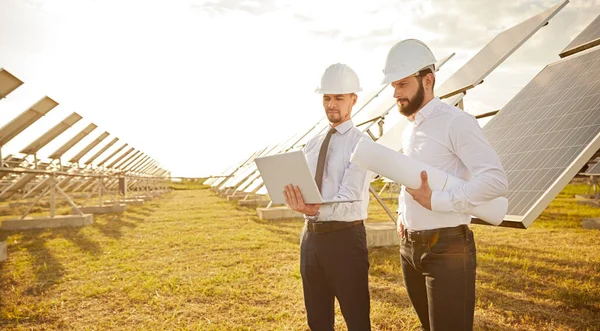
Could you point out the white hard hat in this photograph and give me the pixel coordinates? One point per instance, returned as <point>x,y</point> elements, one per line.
<point>339,79</point>
<point>405,58</point>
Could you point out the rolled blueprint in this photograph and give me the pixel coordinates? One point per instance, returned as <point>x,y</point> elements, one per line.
<point>407,171</point>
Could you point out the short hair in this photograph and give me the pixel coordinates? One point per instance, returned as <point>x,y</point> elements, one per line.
<point>424,73</point>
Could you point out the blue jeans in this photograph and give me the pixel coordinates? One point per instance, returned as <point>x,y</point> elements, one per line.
<point>439,269</point>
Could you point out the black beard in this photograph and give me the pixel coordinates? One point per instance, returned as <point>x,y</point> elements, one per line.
<point>415,104</point>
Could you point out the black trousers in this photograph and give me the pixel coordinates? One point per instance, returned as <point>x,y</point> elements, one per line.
<point>336,265</point>
<point>439,268</point>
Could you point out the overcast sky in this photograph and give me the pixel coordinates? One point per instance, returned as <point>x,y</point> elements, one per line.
<point>183,80</point>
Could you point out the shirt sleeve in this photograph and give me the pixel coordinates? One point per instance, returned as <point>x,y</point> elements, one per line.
<point>354,186</point>
<point>488,179</point>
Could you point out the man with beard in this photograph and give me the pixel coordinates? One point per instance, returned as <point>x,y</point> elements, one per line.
<point>437,250</point>
<point>334,261</point>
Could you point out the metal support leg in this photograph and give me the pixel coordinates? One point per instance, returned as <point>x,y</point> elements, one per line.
<point>385,207</point>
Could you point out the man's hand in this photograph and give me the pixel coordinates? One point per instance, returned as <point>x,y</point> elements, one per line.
<point>295,201</point>
<point>422,195</point>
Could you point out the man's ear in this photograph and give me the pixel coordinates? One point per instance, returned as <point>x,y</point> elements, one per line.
<point>429,81</point>
<point>354,98</point>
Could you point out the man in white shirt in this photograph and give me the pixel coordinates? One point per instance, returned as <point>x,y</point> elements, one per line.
<point>334,261</point>
<point>438,252</point>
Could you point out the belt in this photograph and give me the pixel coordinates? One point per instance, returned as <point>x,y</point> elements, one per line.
<point>330,226</point>
<point>425,235</point>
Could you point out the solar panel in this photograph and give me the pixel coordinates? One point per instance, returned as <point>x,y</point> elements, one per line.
<point>228,174</point>
<point>8,83</point>
<point>89,147</point>
<point>51,134</point>
<point>547,133</point>
<point>256,184</point>
<point>594,169</point>
<point>588,38</point>
<point>130,160</point>
<point>494,53</point>
<point>126,159</point>
<point>121,157</point>
<point>25,119</point>
<point>111,155</point>
<point>73,141</point>
<point>102,150</point>
<point>141,164</point>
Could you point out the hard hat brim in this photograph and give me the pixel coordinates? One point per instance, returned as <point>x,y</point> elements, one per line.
<point>322,91</point>
<point>394,76</point>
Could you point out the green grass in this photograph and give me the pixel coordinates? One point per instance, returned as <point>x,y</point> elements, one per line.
<point>194,261</point>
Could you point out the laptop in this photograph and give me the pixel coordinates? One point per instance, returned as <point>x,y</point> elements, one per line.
<point>279,170</point>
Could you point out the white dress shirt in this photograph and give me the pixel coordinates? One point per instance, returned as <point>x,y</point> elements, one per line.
<point>451,140</point>
<point>341,179</point>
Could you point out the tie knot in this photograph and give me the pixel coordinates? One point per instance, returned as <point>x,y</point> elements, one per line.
<point>332,131</point>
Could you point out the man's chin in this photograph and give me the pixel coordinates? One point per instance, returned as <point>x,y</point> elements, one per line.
<point>406,112</point>
<point>334,120</point>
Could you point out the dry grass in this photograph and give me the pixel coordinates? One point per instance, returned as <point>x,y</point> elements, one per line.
<point>193,261</point>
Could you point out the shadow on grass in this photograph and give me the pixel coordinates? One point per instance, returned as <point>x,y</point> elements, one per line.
<point>547,282</point>
<point>543,293</point>
<point>10,314</point>
<point>46,268</point>
<point>289,230</point>
<point>114,225</point>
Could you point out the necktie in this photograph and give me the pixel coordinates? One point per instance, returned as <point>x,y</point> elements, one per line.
<point>322,156</point>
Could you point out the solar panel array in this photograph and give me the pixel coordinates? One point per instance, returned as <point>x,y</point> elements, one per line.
<point>589,37</point>
<point>547,132</point>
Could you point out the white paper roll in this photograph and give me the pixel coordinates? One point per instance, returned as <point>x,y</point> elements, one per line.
<point>407,171</point>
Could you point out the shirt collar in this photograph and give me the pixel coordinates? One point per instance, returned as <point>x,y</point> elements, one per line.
<point>426,111</point>
<point>344,127</point>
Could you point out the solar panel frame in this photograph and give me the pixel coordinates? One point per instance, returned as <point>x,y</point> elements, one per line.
<point>588,38</point>
<point>494,53</point>
<point>559,140</point>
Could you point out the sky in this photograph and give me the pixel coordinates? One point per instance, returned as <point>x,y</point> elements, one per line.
<point>201,85</point>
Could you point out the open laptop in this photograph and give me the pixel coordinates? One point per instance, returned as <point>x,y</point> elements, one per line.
<point>279,170</point>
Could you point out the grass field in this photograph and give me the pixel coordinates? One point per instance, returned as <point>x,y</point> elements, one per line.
<point>193,261</point>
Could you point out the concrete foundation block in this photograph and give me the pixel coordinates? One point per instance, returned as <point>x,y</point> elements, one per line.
<point>129,201</point>
<point>253,203</point>
<point>277,213</point>
<point>591,223</point>
<point>236,197</point>
<point>3,252</point>
<point>96,210</point>
<point>145,197</point>
<point>19,204</point>
<point>585,196</point>
<point>382,234</point>
<point>48,222</point>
